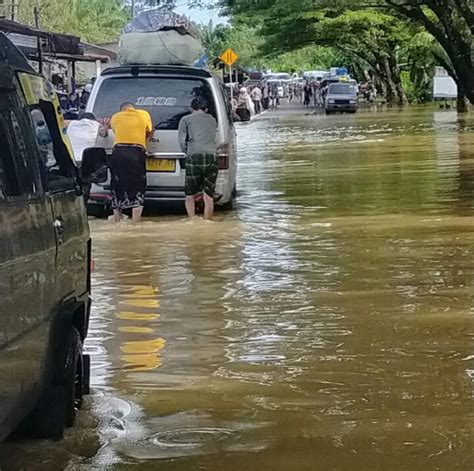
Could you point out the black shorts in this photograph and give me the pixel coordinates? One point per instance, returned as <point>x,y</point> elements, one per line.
<point>128,170</point>
<point>201,174</point>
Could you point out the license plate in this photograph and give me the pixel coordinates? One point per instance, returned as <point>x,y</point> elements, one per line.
<point>160,165</point>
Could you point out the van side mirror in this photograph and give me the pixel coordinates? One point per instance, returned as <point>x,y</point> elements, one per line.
<point>94,165</point>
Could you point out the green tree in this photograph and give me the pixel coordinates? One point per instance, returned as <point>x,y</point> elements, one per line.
<point>451,23</point>
<point>93,20</point>
<point>243,39</point>
<point>371,39</point>
<point>306,58</point>
<point>420,57</point>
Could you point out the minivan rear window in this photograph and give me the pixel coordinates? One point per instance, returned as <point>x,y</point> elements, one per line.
<point>167,99</point>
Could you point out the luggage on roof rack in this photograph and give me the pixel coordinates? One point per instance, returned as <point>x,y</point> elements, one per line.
<point>151,21</point>
<point>160,37</point>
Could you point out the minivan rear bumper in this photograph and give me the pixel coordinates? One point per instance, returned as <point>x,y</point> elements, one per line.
<point>154,193</point>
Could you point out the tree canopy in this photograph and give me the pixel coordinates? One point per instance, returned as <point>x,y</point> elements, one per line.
<point>95,21</point>
<point>377,33</point>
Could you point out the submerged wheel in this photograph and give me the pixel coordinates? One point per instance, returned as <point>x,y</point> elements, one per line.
<point>74,378</point>
<point>63,397</point>
<point>86,361</point>
<point>229,206</point>
<point>97,210</point>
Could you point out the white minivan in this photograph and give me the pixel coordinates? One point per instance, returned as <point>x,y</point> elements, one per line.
<point>166,93</point>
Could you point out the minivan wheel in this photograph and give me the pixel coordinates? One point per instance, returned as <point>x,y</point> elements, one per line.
<point>86,362</point>
<point>74,378</point>
<point>229,206</point>
<point>97,211</point>
<point>62,398</point>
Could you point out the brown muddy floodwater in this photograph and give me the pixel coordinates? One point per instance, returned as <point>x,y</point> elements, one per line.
<point>326,324</point>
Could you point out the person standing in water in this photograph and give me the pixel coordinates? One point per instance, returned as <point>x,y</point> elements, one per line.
<point>197,137</point>
<point>131,128</point>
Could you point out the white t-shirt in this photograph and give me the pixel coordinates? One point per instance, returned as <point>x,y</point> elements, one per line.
<point>82,134</point>
<point>256,94</point>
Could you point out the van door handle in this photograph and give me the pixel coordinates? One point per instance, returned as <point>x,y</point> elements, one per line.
<point>58,225</point>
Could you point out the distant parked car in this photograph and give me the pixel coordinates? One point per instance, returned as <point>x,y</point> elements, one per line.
<point>341,97</point>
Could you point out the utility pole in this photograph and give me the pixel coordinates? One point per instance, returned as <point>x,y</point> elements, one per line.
<point>133,9</point>
<point>38,43</point>
<point>14,11</point>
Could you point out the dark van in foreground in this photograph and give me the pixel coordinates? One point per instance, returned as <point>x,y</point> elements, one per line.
<point>45,258</point>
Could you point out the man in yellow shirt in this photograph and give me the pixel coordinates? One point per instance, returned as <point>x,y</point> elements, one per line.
<point>131,128</point>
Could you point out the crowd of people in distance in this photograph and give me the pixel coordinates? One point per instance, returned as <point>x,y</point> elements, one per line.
<point>253,100</point>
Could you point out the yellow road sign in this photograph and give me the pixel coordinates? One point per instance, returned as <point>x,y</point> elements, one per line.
<point>229,57</point>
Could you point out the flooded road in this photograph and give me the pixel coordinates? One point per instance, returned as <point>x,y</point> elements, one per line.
<point>326,324</point>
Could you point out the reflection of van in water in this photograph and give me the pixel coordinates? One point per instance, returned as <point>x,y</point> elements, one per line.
<point>166,93</point>
<point>44,257</point>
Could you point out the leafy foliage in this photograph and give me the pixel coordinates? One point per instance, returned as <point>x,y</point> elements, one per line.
<point>248,43</point>
<point>451,23</point>
<point>244,40</point>
<point>304,59</point>
<point>95,21</point>
<point>376,35</point>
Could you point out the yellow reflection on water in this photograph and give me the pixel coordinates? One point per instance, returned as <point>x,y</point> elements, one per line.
<point>141,362</point>
<point>136,316</point>
<point>130,329</point>
<point>142,355</point>
<point>144,303</point>
<point>143,346</point>
<point>142,292</point>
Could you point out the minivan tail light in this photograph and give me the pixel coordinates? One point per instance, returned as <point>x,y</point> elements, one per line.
<point>222,155</point>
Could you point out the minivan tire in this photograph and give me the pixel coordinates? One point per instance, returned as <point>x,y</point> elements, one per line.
<point>74,377</point>
<point>98,211</point>
<point>59,403</point>
<point>229,206</point>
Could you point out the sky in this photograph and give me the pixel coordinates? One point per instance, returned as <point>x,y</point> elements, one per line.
<point>197,14</point>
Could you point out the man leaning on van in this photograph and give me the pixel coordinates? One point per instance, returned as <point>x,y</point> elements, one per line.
<point>197,137</point>
<point>132,128</point>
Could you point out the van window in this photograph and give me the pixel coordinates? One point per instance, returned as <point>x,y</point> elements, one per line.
<point>19,175</point>
<point>9,182</point>
<point>57,165</point>
<point>228,106</point>
<point>167,99</point>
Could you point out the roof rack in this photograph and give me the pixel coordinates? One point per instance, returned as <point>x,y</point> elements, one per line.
<point>158,69</point>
